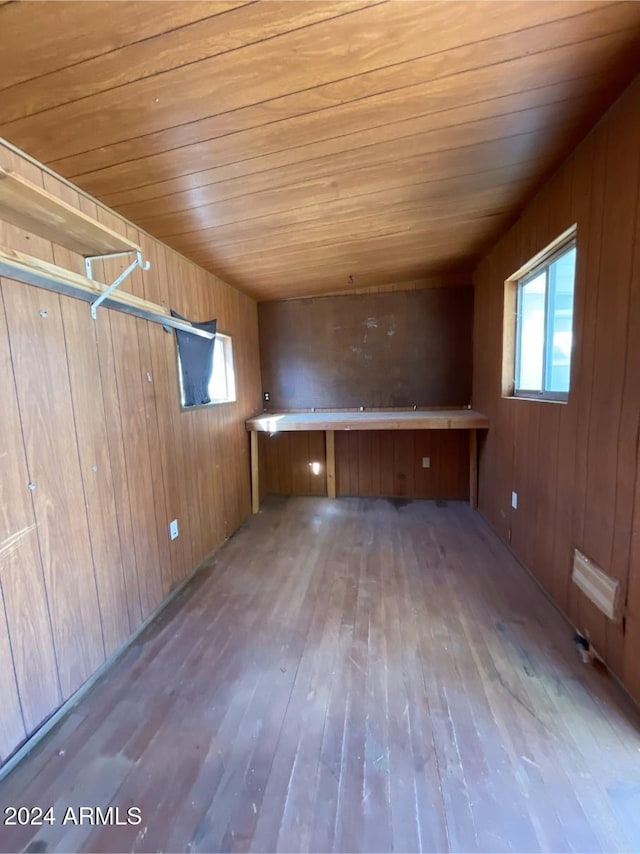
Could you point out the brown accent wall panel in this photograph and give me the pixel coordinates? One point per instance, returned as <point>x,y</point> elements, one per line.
<point>129,379</point>
<point>21,572</point>
<point>575,465</point>
<point>12,729</point>
<point>164,370</point>
<point>375,350</point>
<point>201,438</point>
<point>216,443</point>
<point>630,668</point>
<point>95,462</point>
<point>138,287</point>
<point>371,463</point>
<point>92,418</point>
<point>286,459</point>
<point>115,426</point>
<point>234,470</point>
<point>44,396</point>
<point>389,464</point>
<point>97,479</point>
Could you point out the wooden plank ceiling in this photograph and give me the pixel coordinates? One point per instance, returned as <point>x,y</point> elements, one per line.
<point>297,148</point>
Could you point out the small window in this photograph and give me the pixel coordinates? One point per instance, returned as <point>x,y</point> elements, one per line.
<point>544,326</point>
<point>221,385</point>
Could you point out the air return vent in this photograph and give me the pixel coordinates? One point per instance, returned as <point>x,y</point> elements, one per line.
<point>596,585</point>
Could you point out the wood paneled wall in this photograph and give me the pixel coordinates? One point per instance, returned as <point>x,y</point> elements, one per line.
<point>396,349</point>
<point>96,457</point>
<point>575,466</point>
<point>285,463</point>
<point>389,464</point>
<point>373,463</point>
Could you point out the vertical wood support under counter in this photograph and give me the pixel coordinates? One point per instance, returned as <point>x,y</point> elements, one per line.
<point>473,468</point>
<point>330,447</point>
<point>255,479</point>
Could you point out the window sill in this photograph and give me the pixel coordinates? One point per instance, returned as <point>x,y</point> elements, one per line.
<point>211,403</point>
<point>536,398</point>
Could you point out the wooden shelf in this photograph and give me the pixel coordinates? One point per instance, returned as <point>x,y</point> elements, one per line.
<point>42,274</point>
<point>30,207</point>
<point>434,419</point>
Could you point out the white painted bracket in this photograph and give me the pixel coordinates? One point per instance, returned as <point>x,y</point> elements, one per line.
<point>137,262</point>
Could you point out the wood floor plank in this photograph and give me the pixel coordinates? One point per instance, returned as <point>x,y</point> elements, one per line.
<point>359,674</point>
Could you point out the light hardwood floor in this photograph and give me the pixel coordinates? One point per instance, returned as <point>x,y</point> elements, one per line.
<point>351,675</point>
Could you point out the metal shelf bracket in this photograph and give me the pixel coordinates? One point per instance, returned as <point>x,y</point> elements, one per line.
<point>137,262</point>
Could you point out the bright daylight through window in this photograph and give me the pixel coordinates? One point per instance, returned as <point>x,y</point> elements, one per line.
<point>544,327</point>
<point>222,386</point>
<point>206,377</point>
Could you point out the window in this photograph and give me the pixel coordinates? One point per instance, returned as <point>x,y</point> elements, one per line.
<point>221,384</point>
<point>540,357</point>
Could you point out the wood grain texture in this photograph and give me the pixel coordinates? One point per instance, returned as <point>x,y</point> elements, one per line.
<point>256,485</point>
<point>130,374</point>
<point>389,464</point>
<point>65,36</point>
<point>116,450</point>
<point>330,455</point>
<point>334,352</point>
<point>473,468</point>
<point>156,460</point>
<point>355,675</point>
<point>21,574</point>
<point>12,729</point>
<point>630,667</point>
<point>574,466</point>
<point>353,144</point>
<point>369,462</point>
<point>33,209</point>
<point>427,419</point>
<point>91,417</point>
<point>51,446</point>
<point>93,451</point>
<point>286,460</point>
<point>164,372</point>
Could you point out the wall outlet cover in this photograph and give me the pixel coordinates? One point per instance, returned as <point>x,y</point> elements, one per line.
<point>173,529</point>
<point>426,462</point>
<point>514,500</point>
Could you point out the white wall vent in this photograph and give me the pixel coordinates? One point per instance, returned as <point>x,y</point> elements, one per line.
<point>596,585</point>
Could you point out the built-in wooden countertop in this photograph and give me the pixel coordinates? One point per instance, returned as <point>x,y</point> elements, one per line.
<point>434,419</point>
<point>431,419</point>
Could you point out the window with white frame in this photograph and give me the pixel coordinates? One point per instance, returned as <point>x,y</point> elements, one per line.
<point>544,326</point>
<point>221,383</point>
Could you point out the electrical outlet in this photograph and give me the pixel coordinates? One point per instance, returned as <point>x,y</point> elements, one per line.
<point>266,396</point>
<point>514,500</point>
<point>426,462</point>
<point>173,529</point>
